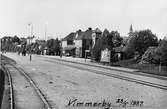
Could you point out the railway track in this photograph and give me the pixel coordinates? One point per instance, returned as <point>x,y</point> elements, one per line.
<point>11,93</point>
<point>97,71</point>
<point>11,63</point>
<point>87,68</point>
<point>137,72</point>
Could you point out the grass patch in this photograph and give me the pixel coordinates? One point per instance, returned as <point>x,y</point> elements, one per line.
<point>145,68</point>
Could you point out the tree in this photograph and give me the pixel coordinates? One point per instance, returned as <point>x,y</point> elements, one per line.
<point>111,39</point>
<point>50,46</point>
<point>7,43</point>
<point>104,39</point>
<point>96,51</point>
<point>107,40</point>
<point>57,46</point>
<point>15,39</point>
<point>116,39</point>
<point>53,46</point>
<point>144,39</point>
<point>155,55</point>
<point>129,48</point>
<point>161,52</point>
<point>139,42</point>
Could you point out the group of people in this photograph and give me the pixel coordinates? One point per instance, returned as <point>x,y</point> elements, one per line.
<point>23,50</point>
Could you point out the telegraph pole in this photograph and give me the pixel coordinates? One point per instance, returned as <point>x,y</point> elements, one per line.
<point>30,39</point>
<point>46,31</point>
<point>45,37</point>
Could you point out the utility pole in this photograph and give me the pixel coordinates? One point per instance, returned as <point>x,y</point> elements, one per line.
<point>45,37</point>
<point>30,39</point>
<point>45,31</point>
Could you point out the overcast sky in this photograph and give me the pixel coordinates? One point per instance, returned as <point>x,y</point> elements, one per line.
<point>64,16</point>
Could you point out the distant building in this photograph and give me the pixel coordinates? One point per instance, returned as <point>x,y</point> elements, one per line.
<point>80,43</point>
<point>7,39</point>
<point>68,45</point>
<point>95,36</point>
<point>131,29</point>
<point>83,42</point>
<point>31,39</point>
<point>131,33</point>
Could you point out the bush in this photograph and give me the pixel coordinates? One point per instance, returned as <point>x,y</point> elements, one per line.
<point>155,55</point>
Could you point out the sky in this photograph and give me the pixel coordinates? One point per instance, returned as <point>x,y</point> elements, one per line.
<point>60,17</point>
